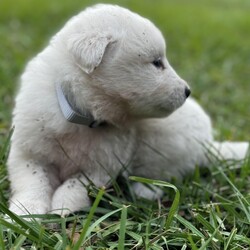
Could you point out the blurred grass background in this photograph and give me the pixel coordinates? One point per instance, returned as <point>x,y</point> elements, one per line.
<point>208,45</point>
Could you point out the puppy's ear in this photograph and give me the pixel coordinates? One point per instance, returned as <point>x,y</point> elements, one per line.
<point>88,49</point>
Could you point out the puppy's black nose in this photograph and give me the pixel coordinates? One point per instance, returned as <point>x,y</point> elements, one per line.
<point>187,92</point>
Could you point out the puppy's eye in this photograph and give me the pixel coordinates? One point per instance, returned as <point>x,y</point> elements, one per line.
<point>158,63</point>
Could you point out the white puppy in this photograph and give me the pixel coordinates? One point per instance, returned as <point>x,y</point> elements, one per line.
<point>83,109</point>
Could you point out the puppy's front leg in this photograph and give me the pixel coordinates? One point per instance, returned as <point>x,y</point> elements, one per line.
<point>31,189</point>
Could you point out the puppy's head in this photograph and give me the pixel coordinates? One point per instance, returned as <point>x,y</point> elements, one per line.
<point>122,57</point>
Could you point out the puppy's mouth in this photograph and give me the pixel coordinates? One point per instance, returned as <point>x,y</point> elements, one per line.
<point>168,108</point>
<point>162,111</point>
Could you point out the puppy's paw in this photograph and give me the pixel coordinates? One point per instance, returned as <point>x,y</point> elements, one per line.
<point>70,197</point>
<point>148,192</point>
<point>27,207</point>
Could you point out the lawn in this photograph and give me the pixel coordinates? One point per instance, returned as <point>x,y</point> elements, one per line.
<point>209,45</point>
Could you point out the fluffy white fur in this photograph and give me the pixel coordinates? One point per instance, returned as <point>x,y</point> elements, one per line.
<point>103,57</point>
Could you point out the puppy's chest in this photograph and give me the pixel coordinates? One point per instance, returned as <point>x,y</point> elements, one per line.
<point>88,151</point>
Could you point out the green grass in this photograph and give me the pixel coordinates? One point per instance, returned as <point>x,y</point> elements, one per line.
<point>208,44</point>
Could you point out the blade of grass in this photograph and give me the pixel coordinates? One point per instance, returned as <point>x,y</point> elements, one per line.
<point>189,226</point>
<point>234,187</point>
<point>184,247</point>
<point>6,145</point>
<point>136,237</point>
<point>32,228</point>
<point>174,208</point>
<point>19,241</point>
<point>205,223</point>
<point>205,244</point>
<point>100,220</point>
<point>2,245</point>
<point>230,238</point>
<point>89,218</point>
<point>60,244</point>
<point>241,238</point>
<point>63,233</point>
<point>18,230</point>
<point>208,226</point>
<point>122,231</point>
<point>193,245</point>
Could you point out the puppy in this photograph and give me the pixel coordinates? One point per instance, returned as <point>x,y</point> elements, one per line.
<point>102,96</point>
